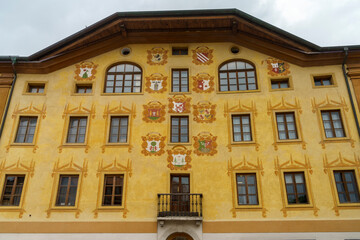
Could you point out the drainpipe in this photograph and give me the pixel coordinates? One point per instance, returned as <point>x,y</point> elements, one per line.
<point>13,61</point>
<point>349,91</point>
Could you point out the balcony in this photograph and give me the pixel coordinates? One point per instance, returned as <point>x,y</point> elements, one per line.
<point>180,206</point>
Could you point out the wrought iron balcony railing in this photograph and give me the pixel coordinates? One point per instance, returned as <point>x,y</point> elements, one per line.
<point>180,205</point>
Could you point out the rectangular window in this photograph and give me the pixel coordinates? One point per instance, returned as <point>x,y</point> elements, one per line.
<point>179,129</point>
<point>77,130</point>
<point>83,88</point>
<point>323,80</point>
<point>180,80</point>
<point>346,186</point>
<point>13,187</point>
<point>26,130</point>
<point>118,129</point>
<point>332,122</point>
<point>247,189</point>
<point>113,190</point>
<point>179,51</point>
<point>66,195</point>
<point>280,83</point>
<point>241,128</point>
<point>296,188</point>
<point>286,126</point>
<point>36,88</point>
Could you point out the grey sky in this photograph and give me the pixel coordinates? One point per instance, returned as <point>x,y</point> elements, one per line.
<point>29,26</point>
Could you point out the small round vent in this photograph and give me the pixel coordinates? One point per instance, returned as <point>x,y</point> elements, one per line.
<point>125,51</point>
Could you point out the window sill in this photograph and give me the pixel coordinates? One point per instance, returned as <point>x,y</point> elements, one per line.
<point>119,94</point>
<point>337,140</point>
<point>117,145</point>
<point>179,143</point>
<point>12,209</point>
<point>179,93</point>
<point>35,94</point>
<point>22,145</point>
<point>63,209</point>
<point>280,89</point>
<point>326,86</point>
<point>243,144</point>
<point>74,145</point>
<point>234,92</point>
<point>82,94</point>
<point>300,205</point>
<point>112,209</point>
<point>259,207</point>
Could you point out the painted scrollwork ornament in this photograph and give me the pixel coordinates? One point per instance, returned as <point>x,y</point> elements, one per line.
<point>179,158</point>
<point>157,56</point>
<point>203,83</point>
<point>277,67</point>
<point>85,71</point>
<point>153,144</point>
<point>179,104</point>
<point>202,55</point>
<point>205,144</point>
<point>154,112</point>
<point>204,112</point>
<point>156,83</point>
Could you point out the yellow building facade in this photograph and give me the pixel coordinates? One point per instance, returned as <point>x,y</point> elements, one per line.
<point>204,137</point>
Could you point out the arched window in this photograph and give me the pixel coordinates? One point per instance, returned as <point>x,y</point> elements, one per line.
<point>123,78</point>
<point>237,75</point>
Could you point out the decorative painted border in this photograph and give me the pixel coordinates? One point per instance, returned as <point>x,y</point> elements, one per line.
<point>245,166</point>
<point>295,166</point>
<point>113,168</point>
<point>39,112</point>
<point>16,168</point>
<point>70,168</point>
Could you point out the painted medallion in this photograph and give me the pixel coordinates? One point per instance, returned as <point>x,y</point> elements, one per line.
<point>154,112</point>
<point>179,104</point>
<point>156,83</point>
<point>157,56</point>
<point>179,158</point>
<point>277,67</point>
<point>205,144</point>
<point>153,144</point>
<point>203,83</point>
<point>204,112</point>
<point>202,55</point>
<point>85,71</point>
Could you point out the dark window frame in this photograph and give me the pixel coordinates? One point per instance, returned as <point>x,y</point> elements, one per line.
<point>294,184</point>
<point>236,71</point>
<point>286,126</point>
<point>333,129</point>
<point>241,127</point>
<point>344,184</point>
<point>180,70</point>
<point>113,190</point>
<point>120,117</point>
<point>13,193</point>
<point>278,81</point>
<point>115,74</point>
<point>68,186</point>
<point>180,51</point>
<point>78,118</point>
<point>179,129</point>
<point>321,79</point>
<point>28,127</point>
<point>39,87</point>
<point>87,87</point>
<point>246,186</point>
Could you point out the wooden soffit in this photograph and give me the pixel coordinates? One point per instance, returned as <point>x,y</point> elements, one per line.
<point>115,32</point>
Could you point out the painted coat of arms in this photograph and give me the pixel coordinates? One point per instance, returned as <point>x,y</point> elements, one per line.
<point>153,144</point>
<point>204,112</point>
<point>179,104</point>
<point>157,56</point>
<point>85,71</point>
<point>154,112</point>
<point>277,67</point>
<point>203,83</point>
<point>202,55</point>
<point>205,144</point>
<point>179,158</point>
<point>156,83</point>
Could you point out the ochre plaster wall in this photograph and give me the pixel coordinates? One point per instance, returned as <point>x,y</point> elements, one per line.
<point>209,174</point>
